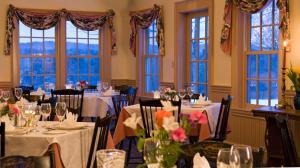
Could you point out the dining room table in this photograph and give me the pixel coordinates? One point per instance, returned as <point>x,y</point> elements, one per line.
<point>202,131</point>
<point>71,145</point>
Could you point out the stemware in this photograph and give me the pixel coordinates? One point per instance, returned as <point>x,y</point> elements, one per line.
<point>162,92</point>
<point>36,117</point>
<point>18,93</point>
<point>60,110</point>
<point>45,110</point>
<point>228,158</point>
<point>110,158</point>
<point>181,93</point>
<point>28,113</point>
<point>190,92</point>
<point>245,153</point>
<point>6,95</point>
<point>105,86</point>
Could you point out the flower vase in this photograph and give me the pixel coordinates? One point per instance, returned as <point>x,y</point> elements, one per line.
<point>17,120</point>
<point>297,101</point>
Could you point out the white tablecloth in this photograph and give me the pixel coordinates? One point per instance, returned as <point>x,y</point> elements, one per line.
<point>95,105</point>
<point>212,113</point>
<point>74,145</point>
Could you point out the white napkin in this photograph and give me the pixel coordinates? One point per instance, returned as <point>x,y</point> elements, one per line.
<point>109,92</point>
<point>70,120</point>
<point>168,106</point>
<point>8,125</point>
<point>38,92</point>
<point>201,99</point>
<point>156,94</point>
<point>200,162</point>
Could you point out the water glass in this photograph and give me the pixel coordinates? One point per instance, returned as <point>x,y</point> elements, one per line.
<point>28,113</point>
<point>245,153</point>
<point>227,158</point>
<point>181,93</point>
<point>105,86</point>
<point>60,110</point>
<point>18,93</point>
<point>110,158</point>
<point>45,110</point>
<point>6,95</point>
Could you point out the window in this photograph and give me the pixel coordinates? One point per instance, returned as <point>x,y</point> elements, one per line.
<point>82,55</point>
<point>37,56</point>
<point>151,59</point>
<point>262,57</point>
<point>198,53</point>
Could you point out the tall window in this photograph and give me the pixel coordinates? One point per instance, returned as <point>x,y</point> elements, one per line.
<point>37,56</point>
<point>198,53</point>
<point>262,57</point>
<point>82,55</point>
<point>151,59</point>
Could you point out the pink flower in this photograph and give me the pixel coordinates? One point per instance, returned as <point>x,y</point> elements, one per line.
<point>198,116</point>
<point>178,135</point>
<point>16,110</point>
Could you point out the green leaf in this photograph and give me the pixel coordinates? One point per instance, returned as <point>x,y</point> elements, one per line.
<point>140,144</point>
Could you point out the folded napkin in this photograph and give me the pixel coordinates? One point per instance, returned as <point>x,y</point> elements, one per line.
<point>38,92</point>
<point>8,124</point>
<point>200,162</point>
<point>168,106</point>
<point>201,99</point>
<point>156,94</point>
<point>70,120</point>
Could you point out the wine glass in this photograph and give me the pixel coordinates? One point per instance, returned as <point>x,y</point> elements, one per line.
<point>162,92</point>
<point>18,93</point>
<point>227,158</point>
<point>105,86</point>
<point>36,117</point>
<point>190,92</point>
<point>181,93</point>
<point>45,110</point>
<point>60,110</point>
<point>28,112</point>
<point>6,95</point>
<point>245,153</point>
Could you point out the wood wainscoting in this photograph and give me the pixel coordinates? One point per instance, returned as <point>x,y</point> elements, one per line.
<point>118,82</point>
<point>6,85</point>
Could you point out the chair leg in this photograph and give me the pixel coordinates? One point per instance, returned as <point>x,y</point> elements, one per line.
<point>129,152</point>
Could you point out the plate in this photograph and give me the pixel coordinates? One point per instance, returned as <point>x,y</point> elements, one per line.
<point>54,132</point>
<point>202,104</point>
<point>76,126</point>
<point>17,131</point>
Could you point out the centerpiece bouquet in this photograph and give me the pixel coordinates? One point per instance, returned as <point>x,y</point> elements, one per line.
<point>82,84</point>
<point>168,136</point>
<point>170,93</point>
<point>11,110</point>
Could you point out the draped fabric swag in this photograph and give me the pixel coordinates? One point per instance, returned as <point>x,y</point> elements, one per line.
<point>250,7</point>
<point>144,19</point>
<point>42,21</point>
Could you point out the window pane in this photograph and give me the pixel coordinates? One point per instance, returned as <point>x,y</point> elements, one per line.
<point>24,46</point>
<point>72,79</point>
<point>194,47</point>
<point>94,66</point>
<point>274,66</point>
<point>25,80</point>
<point>50,32</point>
<point>276,15</point>
<point>50,79</point>
<point>255,39</point>
<point>150,46</point>
<point>94,80</point>
<point>83,66</point>
<point>155,66</point>
<point>267,38</point>
<point>71,30</point>
<point>267,15</point>
<point>195,28</point>
<point>71,47</point>
<point>94,34</point>
<point>255,19</point>
<point>24,30</point>
<point>49,45</point>
<point>82,33</point>
<point>37,64</point>
<point>50,65</point>
<point>263,66</point>
<point>37,46</point>
<point>72,65</point>
<point>37,33</point>
<point>202,27</point>
<point>82,47</point>
<point>202,72</point>
<point>251,91</point>
<point>202,49</point>
<point>274,93</point>
<point>276,32</point>
<point>84,78</point>
<point>251,66</point>
<point>202,89</point>
<point>94,47</point>
<point>193,73</point>
<point>155,52</point>
<point>38,82</point>
<point>263,92</point>
<point>25,66</point>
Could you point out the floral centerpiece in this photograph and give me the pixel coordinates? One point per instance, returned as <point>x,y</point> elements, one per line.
<point>294,76</point>
<point>169,134</point>
<point>12,110</point>
<point>171,93</point>
<point>82,84</point>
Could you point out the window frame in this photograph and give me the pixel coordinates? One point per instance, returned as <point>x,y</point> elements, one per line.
<point>247,52</point>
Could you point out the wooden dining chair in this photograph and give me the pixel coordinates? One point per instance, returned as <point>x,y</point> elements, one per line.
<point>122,88</point>
<point>18,161</point>
<point>119,101</point>
<point>72,98</point>
<point>2,139</point>
<point>131,95</point>
<point>99,140</point>
<point>287,141</point>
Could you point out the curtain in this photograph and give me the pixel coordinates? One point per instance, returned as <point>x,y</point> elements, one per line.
<point>42,21</point>
<point>250,7</point>
<point>144,19</point>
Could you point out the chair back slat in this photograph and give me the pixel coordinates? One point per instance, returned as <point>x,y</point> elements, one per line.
<point>148,109</point>
<point>2,134</point>
<point>100,136</point>
<point>221,128</point>
<point>131,95</point>
<point>288,145</point>
<point>119,101</point>
<point>72,98</point>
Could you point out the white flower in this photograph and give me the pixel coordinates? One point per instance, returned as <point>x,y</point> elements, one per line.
<point>169,124</point>
<point>168,106</point>
<point>132,121</point>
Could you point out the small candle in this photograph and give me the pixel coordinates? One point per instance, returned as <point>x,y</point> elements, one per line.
<point>285,43</point>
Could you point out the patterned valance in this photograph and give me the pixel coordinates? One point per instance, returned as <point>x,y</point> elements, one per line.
<point>144,19</point>
<point>250,7</point>
<point>42,21</point>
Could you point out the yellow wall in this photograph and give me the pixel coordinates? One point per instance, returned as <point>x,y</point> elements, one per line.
<point>120,60</point>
